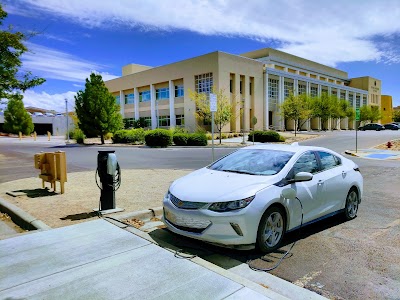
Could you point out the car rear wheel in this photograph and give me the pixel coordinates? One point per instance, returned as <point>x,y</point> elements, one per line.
<point>271,229</point>
<point>352,202</point>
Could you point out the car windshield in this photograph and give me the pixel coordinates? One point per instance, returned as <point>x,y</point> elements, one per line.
<point>253,162</point>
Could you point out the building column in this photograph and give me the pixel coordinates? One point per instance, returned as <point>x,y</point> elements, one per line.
<point>238,102</point>
<point>308,93</point>
<point>172,118</point>
<point>281,123</point>
<point>154,116</point>
<point>122,103</point>
<point>266,101</point>
<point>319,95</point>
<point>136,103</point>
<point>246,96</point>
<point>295,87</point>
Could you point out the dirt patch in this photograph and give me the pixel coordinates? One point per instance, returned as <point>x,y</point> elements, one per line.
<point>394,147</point>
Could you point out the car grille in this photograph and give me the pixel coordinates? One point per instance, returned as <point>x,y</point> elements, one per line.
<point>186,204</point>
<point>186,223</point>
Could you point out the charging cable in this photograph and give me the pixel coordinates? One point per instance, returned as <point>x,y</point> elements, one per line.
<point>250,263</point>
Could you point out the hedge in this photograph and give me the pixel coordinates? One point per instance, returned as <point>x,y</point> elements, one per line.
<point>197,139</point>
<point>158,138</point>
<point>265,136</point>
<point>129,136</point>
<point>180,139</point>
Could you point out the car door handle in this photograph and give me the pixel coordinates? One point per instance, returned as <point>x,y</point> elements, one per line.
<point>320,182</point>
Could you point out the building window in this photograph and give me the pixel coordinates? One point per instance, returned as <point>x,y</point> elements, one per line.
<point>230,86</point>
<point>240,85</point>
<point>144,96</point>
<point>357,101</point>
<point>129,98</point>
<point>351,100</point>
<point>343,96</point>
<point>204,83</point>
<point>180,120</point>
<point>288,88</point>
<point>164,121</point>
<point>302,89</point>
<point>179,91</point>
<point>162,93</point>
<point>147,121</point>
<point>250,88</point>
<point>273,92</point>
<point>118,100</point>
<point>364,100</point>
<point>313,91</point>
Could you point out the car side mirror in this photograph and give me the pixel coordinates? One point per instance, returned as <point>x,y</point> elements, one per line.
<point>301,176</point>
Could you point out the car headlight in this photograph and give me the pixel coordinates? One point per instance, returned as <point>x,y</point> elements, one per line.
<point>230,205</point>
<point>168,195</point>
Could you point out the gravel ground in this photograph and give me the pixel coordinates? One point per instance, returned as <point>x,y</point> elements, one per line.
<point>140,189</point>
<point>395,146</point>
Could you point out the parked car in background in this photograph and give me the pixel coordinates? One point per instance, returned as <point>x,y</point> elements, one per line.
<point>396,123</point>
<point>391,126</point>
<point>372,126</point>
<point>59,114</point>
<point>37,114</point>
<point>48,114</point>
<point>255,195</point>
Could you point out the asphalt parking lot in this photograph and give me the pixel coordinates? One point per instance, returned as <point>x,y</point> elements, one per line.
<point>359,259</point>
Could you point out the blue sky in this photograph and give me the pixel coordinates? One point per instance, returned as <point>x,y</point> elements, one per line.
<point>361,37</point>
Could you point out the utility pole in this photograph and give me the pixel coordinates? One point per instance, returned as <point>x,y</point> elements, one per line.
<point>66,117</point>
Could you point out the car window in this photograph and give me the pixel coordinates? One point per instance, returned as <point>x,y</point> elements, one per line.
<point>328,161</point>
<point>253,162</point>
<point>306,163</point>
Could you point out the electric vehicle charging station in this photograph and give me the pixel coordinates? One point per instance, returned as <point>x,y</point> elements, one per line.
<point>109,173</point>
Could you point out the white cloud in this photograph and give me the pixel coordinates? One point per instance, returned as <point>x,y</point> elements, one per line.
<point>325,31</point>
<point>53,64</point>
<point>50,101</point>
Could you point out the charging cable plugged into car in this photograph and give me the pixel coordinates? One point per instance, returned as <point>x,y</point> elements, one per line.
<point>288,194</point>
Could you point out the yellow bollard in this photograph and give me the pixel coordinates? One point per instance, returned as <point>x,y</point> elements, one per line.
<point>20,135</point>
<point>48,135</point>
<point>34,135</point>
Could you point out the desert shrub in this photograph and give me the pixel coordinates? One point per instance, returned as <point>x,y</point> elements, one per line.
<point>180,139</point>
<point>265,136</point>
<point>197,139</point>
<point>79,136</point>
<point>129,136</point>
<point>158,138</point>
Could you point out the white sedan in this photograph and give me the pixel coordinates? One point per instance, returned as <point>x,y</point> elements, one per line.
<point>255,195</point>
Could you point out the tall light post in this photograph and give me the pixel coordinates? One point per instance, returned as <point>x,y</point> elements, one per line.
<point>66,117</point>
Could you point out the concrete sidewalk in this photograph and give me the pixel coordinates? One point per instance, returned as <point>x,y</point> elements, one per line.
<point>378,154</point>
<point>99,260</point>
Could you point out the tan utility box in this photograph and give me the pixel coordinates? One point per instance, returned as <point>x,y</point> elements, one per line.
<point>53,167</point>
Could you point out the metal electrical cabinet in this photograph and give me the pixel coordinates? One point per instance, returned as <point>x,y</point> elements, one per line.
<point>53,167</point>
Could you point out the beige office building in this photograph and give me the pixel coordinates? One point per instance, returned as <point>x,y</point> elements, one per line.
<point>256,82</point>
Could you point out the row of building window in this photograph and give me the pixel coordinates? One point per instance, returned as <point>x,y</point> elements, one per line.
<point>144,96</point>
<point>163,121</point>
<point>240,87</point>
<point>204,83</point>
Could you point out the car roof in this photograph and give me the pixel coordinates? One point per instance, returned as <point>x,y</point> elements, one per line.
<point>288,147</point>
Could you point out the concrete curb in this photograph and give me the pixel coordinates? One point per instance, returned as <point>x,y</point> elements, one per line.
<point>350,153</point>
<point>22,218</point>
<point>146,214</point>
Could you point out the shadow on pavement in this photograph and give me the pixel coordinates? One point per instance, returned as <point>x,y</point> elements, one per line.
<point>37,193</point>
<point>81,216</point>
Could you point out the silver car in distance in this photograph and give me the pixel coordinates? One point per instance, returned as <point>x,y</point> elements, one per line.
<point>254,195</point>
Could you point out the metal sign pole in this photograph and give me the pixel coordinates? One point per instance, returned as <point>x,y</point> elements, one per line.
<point>212,134</point>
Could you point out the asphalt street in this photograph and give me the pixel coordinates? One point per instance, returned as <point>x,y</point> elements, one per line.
<point>348,260</point>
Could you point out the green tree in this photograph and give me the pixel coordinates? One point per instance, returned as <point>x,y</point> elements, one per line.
<point>396,116</point>
<point>224,111</point>
<point>12,80</point>
<point>96,109</point>
<point>16,118</point>
<point>322,108</point>
<point>296,108</point>
<point>370,113</point>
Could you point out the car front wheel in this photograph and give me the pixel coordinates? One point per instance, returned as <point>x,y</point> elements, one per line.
<point>271,229</point>
<point>352,202</point>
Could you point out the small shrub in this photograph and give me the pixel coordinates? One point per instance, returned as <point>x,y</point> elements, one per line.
<point>108,136</point>
<point>129,136</point>
<point>179,130</point>
<point>265,136</point>
<point>197,139</point>
<point>180,139</point>
<point>158,138</point>
<point>209,136</point>
<point>79,136</point>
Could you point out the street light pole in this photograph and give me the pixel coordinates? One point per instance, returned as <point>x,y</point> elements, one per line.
<point>66,117</point>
